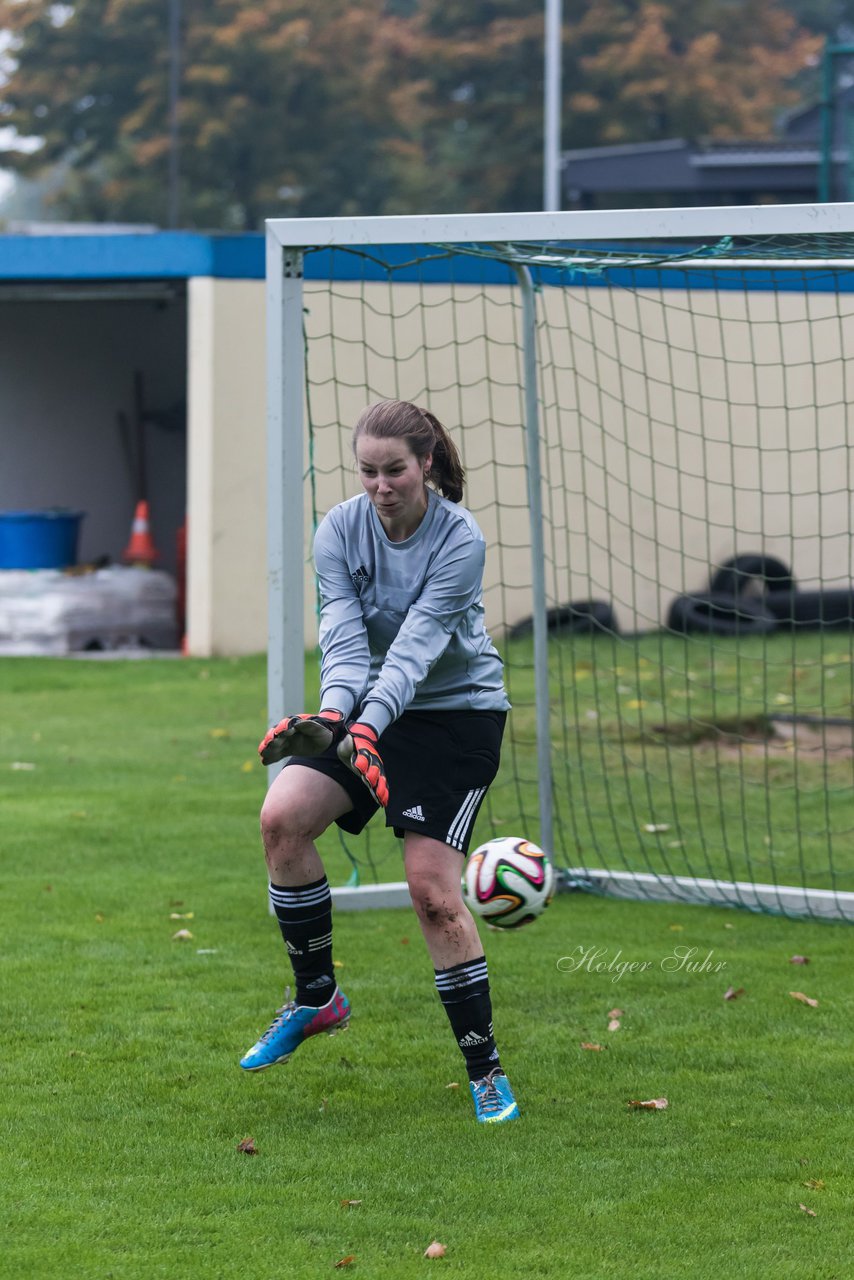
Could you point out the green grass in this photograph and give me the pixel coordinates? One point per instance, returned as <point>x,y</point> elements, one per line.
<point>122,1104</point>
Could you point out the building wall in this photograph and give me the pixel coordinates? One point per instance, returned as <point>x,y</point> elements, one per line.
<point>66,372</point>
<point>226,546</point>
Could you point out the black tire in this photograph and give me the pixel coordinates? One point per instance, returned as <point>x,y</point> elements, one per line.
<point>580,618</point>
<point>716,614</point>
<point>813,610</point>
<point>750,575</point>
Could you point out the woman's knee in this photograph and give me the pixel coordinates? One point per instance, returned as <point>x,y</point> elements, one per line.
<point>435,907</point>
<point>299,806</point>
<point>284,820</point>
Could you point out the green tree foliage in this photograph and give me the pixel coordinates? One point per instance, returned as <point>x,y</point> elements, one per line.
<point>687,68</point>
<point>370,106</point>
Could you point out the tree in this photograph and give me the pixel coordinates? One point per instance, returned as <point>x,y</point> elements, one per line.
<point>279,108</point>
<point>371,106</point>
<point>689,68</point>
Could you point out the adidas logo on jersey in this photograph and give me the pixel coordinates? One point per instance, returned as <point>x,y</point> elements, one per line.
<point>469,1041</point>
<point>415,812</point>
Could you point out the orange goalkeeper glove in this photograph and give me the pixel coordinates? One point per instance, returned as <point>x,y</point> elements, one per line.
<point>359,751</point>
<point>303,735</point>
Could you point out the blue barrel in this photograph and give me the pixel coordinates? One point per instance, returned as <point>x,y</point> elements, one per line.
<point>39,539</point>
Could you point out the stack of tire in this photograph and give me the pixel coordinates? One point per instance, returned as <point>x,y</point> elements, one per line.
<point>579,618</point>
<point>755,595</point>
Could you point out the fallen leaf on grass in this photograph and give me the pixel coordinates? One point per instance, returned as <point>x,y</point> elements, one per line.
<point>337,964</point>
<point>656,828</point>
<point>614,1024</point>
<point>453,1085</point>
<point>247,1146</point>
<point>346,1262</point>
<point>654,1104</point>
<point>324,1105</point>
<point>799,995</point>
<point>615,1013</point>
<point>183,935</point>
<point>676,928</point>
<point>218,733</point>
<point>586,1044</point>
<point>732,993</point>
<point>22,765</point>
<point>249,766</point>
<point>799,960</point>
<point>350,1204</point>
<point>810,1212</point>
<point>99,917</point>
<point>814,1184</point>
<point>181,915</point>
<point>435,1250</point>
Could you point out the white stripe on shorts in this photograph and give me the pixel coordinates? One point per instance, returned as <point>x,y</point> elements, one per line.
<point>461,824</point>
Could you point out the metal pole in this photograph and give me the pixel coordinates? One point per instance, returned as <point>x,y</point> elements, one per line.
<point>824,174</point>
<point>538,557</point>
<point>551,106</point>
<point>285,503</point>
<point>173,214</point>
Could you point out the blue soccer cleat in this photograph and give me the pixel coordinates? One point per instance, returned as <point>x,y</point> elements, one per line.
<point>493,1098</point>
<point>293,1024</point>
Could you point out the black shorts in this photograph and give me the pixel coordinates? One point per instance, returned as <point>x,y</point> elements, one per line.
<point>439,765</point>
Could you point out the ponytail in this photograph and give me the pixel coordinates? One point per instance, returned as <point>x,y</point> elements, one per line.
<point>446,469</point>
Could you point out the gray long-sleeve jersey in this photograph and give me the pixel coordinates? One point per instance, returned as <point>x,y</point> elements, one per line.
<point>401,623</point>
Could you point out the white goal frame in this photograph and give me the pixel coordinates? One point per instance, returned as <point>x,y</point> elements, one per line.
<point>287,240</point>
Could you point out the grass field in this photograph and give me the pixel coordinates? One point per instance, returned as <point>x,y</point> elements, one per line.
<point>122,1104</point>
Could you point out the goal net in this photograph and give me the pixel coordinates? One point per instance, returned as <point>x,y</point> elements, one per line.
<point>652,409</point>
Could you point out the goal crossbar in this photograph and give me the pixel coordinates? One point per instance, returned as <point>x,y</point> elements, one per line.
<point>568,226</point>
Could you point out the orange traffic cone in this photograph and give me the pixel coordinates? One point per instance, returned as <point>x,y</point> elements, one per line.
<point>141,549</point>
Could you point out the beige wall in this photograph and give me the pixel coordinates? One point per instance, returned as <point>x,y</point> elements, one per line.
<point>678,429</point>
<point>226,500</point>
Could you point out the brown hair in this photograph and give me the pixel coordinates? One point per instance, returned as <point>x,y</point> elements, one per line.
<point>424,433</point>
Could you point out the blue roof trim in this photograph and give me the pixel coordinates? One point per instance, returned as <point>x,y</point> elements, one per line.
<point>160,255</point>
<point>411,263</point>
<point>422,264</point>
<point>179,255</point>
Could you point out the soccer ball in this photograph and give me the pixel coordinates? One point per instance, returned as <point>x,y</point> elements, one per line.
<point>508,882</point>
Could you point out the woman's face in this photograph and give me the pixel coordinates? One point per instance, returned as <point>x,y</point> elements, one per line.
<point>393,478</point>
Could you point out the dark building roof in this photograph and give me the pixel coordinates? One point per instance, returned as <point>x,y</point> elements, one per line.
<point>678,172</point>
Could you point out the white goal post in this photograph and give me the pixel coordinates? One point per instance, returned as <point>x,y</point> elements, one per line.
<point>287,242</point>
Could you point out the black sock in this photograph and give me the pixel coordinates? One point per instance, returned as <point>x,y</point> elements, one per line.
<point>304,913</point>
<point>464,991</point>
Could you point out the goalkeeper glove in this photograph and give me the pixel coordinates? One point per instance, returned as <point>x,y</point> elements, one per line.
<point>303,735</point>
<point>359,751</point>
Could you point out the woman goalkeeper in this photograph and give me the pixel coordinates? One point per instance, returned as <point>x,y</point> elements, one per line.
<point>412,715</point>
